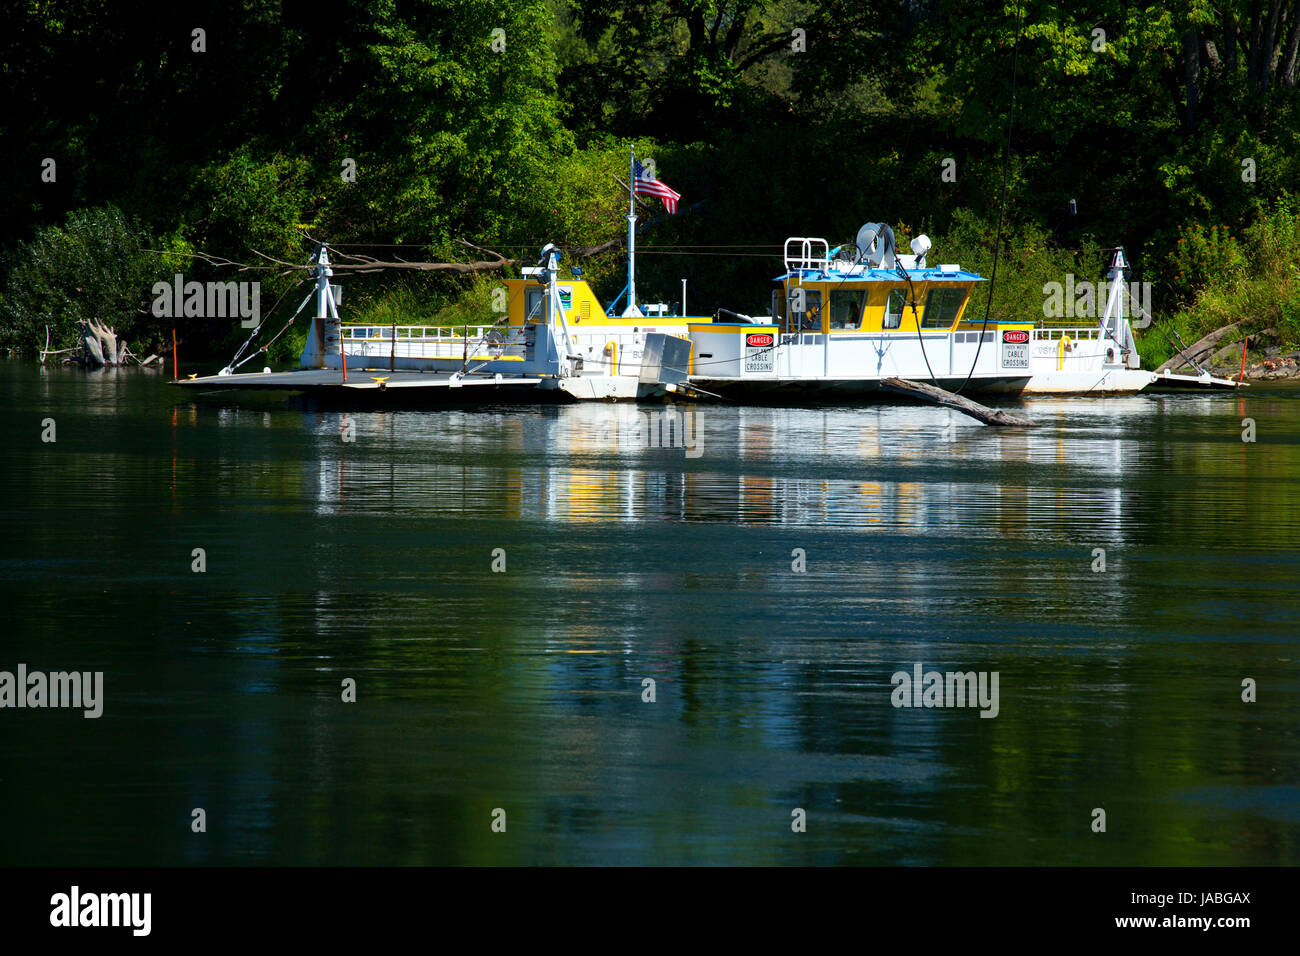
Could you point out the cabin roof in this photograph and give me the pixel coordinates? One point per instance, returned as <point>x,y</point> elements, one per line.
<point>880,275</point>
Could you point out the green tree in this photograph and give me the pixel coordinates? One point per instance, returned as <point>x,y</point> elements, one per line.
<point>98,265</point>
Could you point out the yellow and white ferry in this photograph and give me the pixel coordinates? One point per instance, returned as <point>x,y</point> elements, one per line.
<point>844,319</point>
<point>841,322</point>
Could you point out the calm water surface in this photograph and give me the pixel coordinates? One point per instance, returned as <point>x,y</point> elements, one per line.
<point>927,539</point>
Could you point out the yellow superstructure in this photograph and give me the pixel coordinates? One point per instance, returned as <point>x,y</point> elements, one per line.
<point>526,303</point>
<point>837,307</point>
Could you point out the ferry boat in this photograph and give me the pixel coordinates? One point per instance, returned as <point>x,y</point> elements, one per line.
<point>844,319</point>
<point>842,322</point>
<point>555,337</point>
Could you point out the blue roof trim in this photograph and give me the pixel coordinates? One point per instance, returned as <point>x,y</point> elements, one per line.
<point>882,275</point>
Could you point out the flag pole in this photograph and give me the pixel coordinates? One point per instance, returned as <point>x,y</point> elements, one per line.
<point>631,233</point>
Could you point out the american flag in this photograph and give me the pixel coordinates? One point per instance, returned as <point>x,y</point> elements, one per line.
<point>647,185</point>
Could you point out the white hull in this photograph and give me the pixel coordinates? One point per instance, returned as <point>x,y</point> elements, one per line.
<point>808,365</point>
<point>1106,381</point>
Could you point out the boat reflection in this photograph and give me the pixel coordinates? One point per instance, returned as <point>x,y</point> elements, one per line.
<point>912,471</point>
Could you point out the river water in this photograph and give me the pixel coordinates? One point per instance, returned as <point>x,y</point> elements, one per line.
<point>502,585</point>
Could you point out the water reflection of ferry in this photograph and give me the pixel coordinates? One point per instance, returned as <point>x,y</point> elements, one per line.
<point>881,470</point>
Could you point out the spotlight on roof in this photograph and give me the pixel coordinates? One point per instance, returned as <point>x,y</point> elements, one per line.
<point>920,246</point>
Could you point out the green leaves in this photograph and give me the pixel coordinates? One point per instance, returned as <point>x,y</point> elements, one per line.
<point>96,265</point>
<point>466,90</point>
<point>252,201</point>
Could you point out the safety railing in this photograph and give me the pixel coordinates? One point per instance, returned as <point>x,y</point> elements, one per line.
<point>433,333</point>
<point>806,258</point>
<point>432,341</point>
<point>1053,333</point>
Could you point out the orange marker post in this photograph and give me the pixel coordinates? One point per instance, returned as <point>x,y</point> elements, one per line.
<point>1242,377</point>
<point>176,372</point>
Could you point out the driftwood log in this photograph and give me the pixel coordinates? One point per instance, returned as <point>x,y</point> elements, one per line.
<point>928,393</point>
<point>1232,351</point>
<point>99,345</point>
<point>1199,352</point>
<point>93,348</point>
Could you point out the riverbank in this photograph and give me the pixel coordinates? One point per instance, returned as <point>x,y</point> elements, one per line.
<point>1279,366</point>
<point>1269,365</point>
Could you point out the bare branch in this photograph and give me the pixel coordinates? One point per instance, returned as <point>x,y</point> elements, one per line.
<point>491,252</point>
<point>356,263</point>
<point>279,262</point>
<point>583,252</point>
<point>220,262</point>
<point>762,48</point>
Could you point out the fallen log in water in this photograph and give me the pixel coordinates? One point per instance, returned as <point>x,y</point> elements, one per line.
<point>1198,351</point>
<point>929,393</point>
<point>92,346</point>
<point>1229,354</point>
<point>100,345</point>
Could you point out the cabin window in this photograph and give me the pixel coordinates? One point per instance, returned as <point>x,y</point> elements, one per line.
<point>846,310</point>
<point>894,309</point>
<point>941,308</point>
<point>533,305</point>
<point>778,307</point>
<point>805,310</point>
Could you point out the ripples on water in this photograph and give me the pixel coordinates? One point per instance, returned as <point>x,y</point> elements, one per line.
<point>927,538</point>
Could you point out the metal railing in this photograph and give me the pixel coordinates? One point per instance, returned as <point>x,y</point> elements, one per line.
<point>1057,330</point>
<point>432,341</point>
<point>1054,333</point>
<point>431,333</point>
<point>806,259</point>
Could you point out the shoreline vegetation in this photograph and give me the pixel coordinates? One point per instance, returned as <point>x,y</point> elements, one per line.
<point>407,131</point>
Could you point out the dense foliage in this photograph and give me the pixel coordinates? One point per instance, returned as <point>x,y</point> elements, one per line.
<point>1174,127</point>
